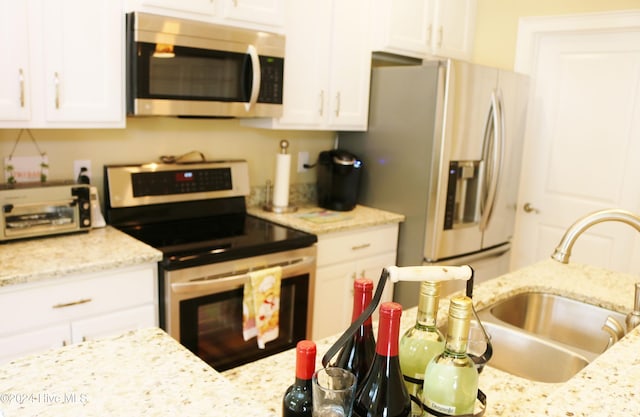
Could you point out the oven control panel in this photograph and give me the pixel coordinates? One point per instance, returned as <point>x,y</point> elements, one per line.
<point>181,181</point>
<point>139,185</point>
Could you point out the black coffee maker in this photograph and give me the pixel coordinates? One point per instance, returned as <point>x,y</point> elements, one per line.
<point>338,179</point>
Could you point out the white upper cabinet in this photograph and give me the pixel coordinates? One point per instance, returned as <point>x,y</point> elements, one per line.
<point>453,28</point>
<point>14,67</point>
<point>195,9</point>
<point>402,27</point>
<point>66,64</point>
<point>250,14</point>
<point>423,28</point>
<point>327,66</point>
<point>265,12</point>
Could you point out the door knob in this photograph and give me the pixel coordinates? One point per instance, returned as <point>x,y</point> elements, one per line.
<point>528,208</point>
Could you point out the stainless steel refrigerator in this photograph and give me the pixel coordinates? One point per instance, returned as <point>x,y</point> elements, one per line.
<point>443,147</point>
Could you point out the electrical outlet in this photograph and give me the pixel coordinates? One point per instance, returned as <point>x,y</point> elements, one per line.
<point>303,158</point>
<point>82,167</point>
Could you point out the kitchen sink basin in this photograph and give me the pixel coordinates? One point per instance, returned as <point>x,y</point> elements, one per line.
<point>559,319</point>
<point>545,337</point>
<point>531,357</point>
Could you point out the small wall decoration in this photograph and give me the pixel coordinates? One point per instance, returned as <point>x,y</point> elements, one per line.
<point>20,169</point>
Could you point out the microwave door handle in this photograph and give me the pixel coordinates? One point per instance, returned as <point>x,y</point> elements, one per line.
<point>224,284</point>
<point>495,118</point>
<point>255,83</point>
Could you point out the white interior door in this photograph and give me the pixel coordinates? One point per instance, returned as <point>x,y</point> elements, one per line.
<point>582,145</point>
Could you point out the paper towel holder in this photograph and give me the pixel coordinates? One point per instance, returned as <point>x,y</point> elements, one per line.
<point>269,206</point>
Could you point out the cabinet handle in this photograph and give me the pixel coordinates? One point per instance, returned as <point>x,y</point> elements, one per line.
<point>338,104</point>
<point>321,106</point>
<point>363,246</point>
<point>73,303</point>
<point>64,343</point>
<point>440,35</point>
<point>21,78</point>
<point>56,82</point>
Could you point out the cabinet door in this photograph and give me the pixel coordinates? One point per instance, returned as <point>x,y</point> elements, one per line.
<point>350,70</point>
<point>199,7</point>
<point>372,268</point>
<point>22,344</point>
<point>333,299</point>
<point>402,27</point>
<point>306,63</point>
<point>113,323</point>
<point>14,66</point>
<point>83,61</point>
<point>454,28</point>
<point>266,12</point>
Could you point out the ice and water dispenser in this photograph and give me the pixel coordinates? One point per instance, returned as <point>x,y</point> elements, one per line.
<point>463,194</point>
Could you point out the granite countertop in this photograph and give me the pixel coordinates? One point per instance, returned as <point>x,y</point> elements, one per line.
<point>141,373</point>
<point>146,373</point>
<point>53,257</point>
<point>318,221</point>
<point>608,385</point>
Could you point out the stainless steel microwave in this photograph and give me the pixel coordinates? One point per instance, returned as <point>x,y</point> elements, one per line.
<point>179,67</point>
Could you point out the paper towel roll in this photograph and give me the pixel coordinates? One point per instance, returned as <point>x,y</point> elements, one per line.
<point>281,184</point>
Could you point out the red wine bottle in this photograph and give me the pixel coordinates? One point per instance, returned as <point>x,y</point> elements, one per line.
<point>297,400</point>
<point>357,354</point>
<point>383,393</point>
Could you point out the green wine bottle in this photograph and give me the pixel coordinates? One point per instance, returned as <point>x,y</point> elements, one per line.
<point>451,379</point>
<point>421,343</point>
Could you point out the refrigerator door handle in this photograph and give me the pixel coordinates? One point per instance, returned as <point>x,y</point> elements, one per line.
<point>493,155</point>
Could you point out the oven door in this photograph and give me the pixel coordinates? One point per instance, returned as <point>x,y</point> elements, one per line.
<point>204,307</point>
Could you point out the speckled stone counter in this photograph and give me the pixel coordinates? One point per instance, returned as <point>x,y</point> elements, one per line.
<point>312,219</point>
<point>146,373</point>
<point>53,257</point>
<point>142,373</point>
<point>607,387</point>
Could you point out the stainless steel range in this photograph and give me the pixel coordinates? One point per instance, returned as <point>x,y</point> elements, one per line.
<point>196,215</point>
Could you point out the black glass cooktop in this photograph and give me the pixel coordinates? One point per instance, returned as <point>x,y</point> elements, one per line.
<point>199,241</point>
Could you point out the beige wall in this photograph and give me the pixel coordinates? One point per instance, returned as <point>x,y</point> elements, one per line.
<point>146,139</point>
<point>497,23</point>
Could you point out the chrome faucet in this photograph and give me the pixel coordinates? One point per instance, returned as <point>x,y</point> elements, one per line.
<point>563,250</point>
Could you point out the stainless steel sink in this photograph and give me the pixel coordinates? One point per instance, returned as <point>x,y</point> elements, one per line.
<point>545,337</point>
<point>558,318</point>
<point>531,357</point>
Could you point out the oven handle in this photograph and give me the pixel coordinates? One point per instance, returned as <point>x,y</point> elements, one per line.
<point>295,267</point>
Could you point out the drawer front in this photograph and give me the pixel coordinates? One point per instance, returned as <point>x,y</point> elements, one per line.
<point>75,298</point>
<point>113,324</point>
<point>352,245</point>
<point>49,337</point>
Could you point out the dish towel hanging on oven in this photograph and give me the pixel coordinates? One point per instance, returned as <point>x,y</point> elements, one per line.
<point>261,305</point>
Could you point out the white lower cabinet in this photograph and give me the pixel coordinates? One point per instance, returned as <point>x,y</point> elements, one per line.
<point>343,257</point>
<point>55,313</point>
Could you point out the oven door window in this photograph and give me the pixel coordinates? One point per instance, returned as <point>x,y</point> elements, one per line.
<point>211,326</point>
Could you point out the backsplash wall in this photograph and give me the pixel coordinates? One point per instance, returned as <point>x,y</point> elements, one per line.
<point>146,139</point>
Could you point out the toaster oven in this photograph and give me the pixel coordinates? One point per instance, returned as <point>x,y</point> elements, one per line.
<point>35,210</point>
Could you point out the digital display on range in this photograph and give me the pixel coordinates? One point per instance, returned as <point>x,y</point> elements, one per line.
<point>181,181</point>
<point>183,176</point>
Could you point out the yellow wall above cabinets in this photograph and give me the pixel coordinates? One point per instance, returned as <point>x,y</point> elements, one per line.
<point>497,23</point>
